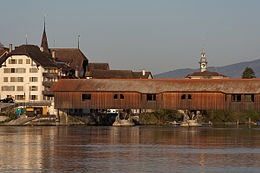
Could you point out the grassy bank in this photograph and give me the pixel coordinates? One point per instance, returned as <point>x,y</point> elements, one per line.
<point>159,117</point>
<point>10,113</point>
<point>231,116</point>
<point>162,117</point>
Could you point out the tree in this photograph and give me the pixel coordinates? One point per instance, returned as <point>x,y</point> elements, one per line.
<point>248,73</point>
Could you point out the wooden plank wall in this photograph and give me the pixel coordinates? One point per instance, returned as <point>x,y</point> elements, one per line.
<point>99,100</point>
<point>167,100</point>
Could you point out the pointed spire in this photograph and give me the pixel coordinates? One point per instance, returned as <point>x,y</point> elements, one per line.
<point>203,61</point>
<point>203,54</point>
<point>44,45</point>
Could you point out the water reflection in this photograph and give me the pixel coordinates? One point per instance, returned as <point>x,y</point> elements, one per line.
<point>130,149</point>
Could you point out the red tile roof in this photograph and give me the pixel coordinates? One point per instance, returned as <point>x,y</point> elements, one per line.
<point>116,74</point>
<point>71,56</point>
<point>205,74</point>
<point>41,58</point>
<point>249,86</point>
<point>98,66</point>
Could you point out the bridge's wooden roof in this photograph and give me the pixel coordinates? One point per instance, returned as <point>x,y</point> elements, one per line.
<point>158,85</point>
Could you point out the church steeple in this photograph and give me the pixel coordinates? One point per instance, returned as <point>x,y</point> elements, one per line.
<point>44,45</point>
<point>203,61</point>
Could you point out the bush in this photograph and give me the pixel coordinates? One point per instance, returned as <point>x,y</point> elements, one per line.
<point>159,117</point>
<point>231,116</point>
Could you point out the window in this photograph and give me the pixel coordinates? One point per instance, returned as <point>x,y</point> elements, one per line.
<point>20,61</point>
<point>8,88</point>
<point>115,96</point>
<point>86,97</point>
<point>12,61</point>
<point>122,96</point>
<point>19,97</point>
<point>7,70</point>
<point>183,96</point>
<point>33,79</point>
<point>5,79</point>
<point>249,98</point>
<point>20,70</point>
<point>151,97</point>
<point>19,88</point>
<point>20,79</point>
<point>33,88</point>
<point>28,61</point>
<point>33,70</point>
<point>16,79</point>
<point>189,96</point>
<point>33,97</point>
<point>236,97</point>
<point>12,70</point>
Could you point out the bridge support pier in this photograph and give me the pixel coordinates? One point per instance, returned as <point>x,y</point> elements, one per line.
<point>190,118</point>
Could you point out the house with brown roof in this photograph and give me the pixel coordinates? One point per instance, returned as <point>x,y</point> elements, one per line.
<point>204,73</point>
<point>117,74</point>
<point>28,72</point>
<point>73,58</point>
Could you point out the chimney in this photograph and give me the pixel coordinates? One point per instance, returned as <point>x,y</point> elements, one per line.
<point>77,72</point>
<point>10,48</point>
<point>143,72</point>
<point>53,54</point>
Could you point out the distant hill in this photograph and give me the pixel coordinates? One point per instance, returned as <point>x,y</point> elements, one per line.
<point>232,71</point>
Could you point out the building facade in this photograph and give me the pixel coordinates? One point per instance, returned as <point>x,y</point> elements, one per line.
<point>27,74</point>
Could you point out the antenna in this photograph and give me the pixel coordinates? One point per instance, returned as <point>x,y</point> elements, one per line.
<point>26,40</point>
<point>78,41</point>
<point>44,20</point>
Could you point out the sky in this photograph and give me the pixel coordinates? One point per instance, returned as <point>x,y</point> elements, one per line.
<point>154,35</point>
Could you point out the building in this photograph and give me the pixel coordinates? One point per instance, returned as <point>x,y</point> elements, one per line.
<point>117,74</point>
<point>204,73</point>
<point>27,74</point>
<point>73,60</point>
<point>168,94</point>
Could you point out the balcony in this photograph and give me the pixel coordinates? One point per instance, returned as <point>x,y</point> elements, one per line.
<point>34,103</point>
<point>47,83</point>
<point>48,93</point>
<point>50,75</point>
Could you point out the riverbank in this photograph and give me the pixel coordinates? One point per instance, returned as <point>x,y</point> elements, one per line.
<point>159,117</point>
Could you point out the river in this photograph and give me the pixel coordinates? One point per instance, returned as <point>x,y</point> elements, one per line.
<point>129,149</point>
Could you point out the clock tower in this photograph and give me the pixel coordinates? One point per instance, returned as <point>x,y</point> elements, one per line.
<point>203,61</point>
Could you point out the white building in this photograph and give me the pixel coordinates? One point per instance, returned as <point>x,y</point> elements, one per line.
<point>27,73</point>
<point>204,73</point>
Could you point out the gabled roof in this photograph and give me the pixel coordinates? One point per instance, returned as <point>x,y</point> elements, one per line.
<point>116,74</point>
<point>3,51</point>
<point>41,58</point>
<point>98,66</point>
<point>71,56</point>
<point>205,74</point>
<point>246,86</point>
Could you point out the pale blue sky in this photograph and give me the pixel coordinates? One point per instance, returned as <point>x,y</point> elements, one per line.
<point>156,35</point>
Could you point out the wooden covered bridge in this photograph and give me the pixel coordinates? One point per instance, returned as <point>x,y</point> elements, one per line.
<point>171,94</point>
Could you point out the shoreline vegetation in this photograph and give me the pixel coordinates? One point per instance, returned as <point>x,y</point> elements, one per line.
<point>158,117</point>
<point>163,117</point>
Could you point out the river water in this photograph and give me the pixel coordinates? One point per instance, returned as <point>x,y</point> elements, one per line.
<point>129,149</point>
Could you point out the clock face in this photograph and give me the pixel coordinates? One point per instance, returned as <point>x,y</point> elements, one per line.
<point>203,65</point>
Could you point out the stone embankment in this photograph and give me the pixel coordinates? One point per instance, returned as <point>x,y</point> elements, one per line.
<point>62,120</point>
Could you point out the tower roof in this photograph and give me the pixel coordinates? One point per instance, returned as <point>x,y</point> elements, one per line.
<point>44,44</point>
